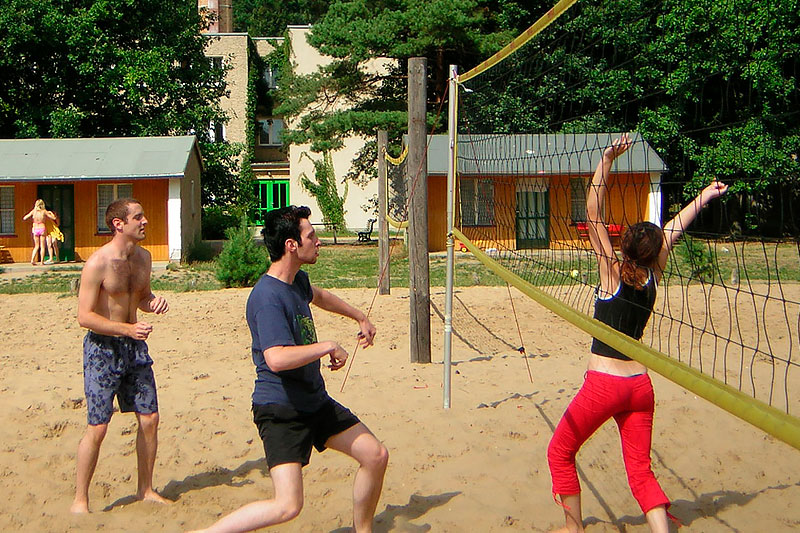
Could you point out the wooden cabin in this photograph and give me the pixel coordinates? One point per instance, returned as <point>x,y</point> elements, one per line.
<point>529,191</point>
<point>79,178</point>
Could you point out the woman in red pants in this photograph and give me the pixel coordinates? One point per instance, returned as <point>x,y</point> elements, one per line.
<point>615,385</point>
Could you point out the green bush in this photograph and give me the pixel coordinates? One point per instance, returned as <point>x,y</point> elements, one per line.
<point>216,221</point>
<point>242,261</point>
<point>200,251</point>
<point>699,258</point>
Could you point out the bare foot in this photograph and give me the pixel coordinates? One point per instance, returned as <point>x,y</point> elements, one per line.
<point>79,507</point>
<point>562,530</point>
<point>153,496</point>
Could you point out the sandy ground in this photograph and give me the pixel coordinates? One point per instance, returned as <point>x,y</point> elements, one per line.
<point>479,466</point>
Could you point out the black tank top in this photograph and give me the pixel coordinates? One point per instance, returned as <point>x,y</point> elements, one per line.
<point>627,311</point>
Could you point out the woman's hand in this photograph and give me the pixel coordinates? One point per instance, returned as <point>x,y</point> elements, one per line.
<point>618,147</point>
<point>713,190</point>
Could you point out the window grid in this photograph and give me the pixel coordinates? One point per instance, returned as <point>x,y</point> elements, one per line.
<point>106,194</point>
<point>477,202</point>
<point>7,210</point>
<point>269,132</point>
<point>577,188</point>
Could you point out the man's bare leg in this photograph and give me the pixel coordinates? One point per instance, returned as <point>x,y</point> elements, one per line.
<point>287,480</point>
<point>146,448</point>
<point>88,452</point>
<point>572,513</point>
<point>373,457</point>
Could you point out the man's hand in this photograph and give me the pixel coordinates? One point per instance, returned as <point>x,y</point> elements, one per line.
<point>158,305</point>
<point>338,357</point>
<point>366,332</point>
<point>140,331</point>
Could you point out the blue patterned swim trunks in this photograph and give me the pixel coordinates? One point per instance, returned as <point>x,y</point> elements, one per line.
<point>121,367</point>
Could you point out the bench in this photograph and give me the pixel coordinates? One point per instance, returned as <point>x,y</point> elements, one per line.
<point>366,235</point>
<point>614,230</point>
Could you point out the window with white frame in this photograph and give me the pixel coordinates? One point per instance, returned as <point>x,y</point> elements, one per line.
<point>7,210</point>
<point>107,193</point>
<point>269,132</point>
<point>215,62</point>
<point>271,76</point>
<point>477,202</point>
<point>216,132</point>
<point>577,192</point>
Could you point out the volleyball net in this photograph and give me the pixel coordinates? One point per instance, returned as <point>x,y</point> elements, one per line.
<point>531,127</point>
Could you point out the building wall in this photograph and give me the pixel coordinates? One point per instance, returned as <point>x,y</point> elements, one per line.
<point>191,211</point>
<point>355,216</point>
<point>437,213</point>
<point>629,200</point>
<point>306,59</point>
<point>153,196</point>
<point>152,193</point>
<point>223,23</point>
<point>233,48</point>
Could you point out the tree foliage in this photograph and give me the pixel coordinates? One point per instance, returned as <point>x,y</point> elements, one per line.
<point>325,189</point>
<point>269,18</point>
<point>345,97</point>
<point>104,67</point>
<point>242,260</point>
<point>711,85</point>
<point>94,68</point>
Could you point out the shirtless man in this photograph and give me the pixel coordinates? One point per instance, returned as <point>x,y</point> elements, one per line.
<point>115,283</point>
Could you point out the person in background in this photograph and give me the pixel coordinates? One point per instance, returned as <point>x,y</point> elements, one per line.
<point>39,214</point>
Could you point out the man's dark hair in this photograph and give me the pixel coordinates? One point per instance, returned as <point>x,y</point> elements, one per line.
<point>118,209</point>
<point>282,224</point>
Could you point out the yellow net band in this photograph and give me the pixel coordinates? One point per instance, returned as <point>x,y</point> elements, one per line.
<point>555,12</point>
<point>780,425</point>
<point>399,159</point>
<point>395,224</point>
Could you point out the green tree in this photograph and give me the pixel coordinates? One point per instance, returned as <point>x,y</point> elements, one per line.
<point>269,18</point>
<point>98,68</point>
<point>712,85</point>
<point>325,189</point>
<point>345,98</point>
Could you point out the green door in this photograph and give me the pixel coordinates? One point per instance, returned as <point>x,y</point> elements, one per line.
<point>60,200</point>
<point>270,194</point>
<point>533,219</point>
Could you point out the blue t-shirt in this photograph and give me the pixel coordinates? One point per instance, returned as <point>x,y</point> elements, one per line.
<point>278,315</point>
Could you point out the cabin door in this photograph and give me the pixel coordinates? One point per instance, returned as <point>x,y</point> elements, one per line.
<point>60,200</point>
<point>533,217</point>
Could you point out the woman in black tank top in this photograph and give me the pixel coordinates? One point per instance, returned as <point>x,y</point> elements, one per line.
<point>615,385</point>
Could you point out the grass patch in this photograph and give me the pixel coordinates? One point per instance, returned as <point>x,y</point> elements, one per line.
<point>356,266</point>
<point>349,266</point>
<point>56,280</point>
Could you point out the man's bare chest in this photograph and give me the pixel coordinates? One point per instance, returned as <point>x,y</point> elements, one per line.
<point>125,278</point>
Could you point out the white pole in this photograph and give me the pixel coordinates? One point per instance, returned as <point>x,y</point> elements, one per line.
<point>451,180</point>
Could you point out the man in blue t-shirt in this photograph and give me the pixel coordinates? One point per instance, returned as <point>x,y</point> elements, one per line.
<point>291,407</point>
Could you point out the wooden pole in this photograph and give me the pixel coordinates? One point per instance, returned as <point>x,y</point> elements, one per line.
<point>417,184</point>
<point>384,285</point>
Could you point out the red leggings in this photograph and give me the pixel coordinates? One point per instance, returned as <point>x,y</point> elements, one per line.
<point>630,401</point>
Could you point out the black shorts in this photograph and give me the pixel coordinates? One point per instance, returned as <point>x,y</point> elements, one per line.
<point>288,434</point>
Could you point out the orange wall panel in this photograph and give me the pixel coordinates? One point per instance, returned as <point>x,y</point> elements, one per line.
<point>152,193</point>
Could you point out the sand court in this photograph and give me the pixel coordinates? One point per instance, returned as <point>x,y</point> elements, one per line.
<point>479,466</point>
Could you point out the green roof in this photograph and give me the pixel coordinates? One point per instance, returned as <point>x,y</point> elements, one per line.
<point>531,154</point>
<point>95,158</point>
